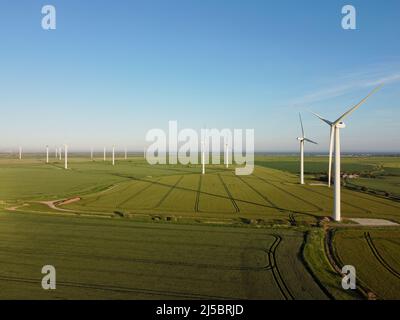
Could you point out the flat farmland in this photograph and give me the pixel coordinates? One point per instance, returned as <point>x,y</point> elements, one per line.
<point>119,259</point>
<point>135,231</point>
<point>134,187</point>
<point>376,256</point>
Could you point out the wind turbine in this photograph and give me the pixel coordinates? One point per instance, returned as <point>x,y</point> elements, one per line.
<point>226,156</point>
<point>302,139</point>
<point>56,153</point>
<point>60,152</point>
<point>335,141</point>
<point>66,156</point>
<point>203,158</point>
<point>47,154</point>
<point>20,153</point>
<point>113,155</point>
<point>104,154</point>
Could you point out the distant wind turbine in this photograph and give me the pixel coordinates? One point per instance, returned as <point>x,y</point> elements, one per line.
<point>302,139</point>
<point>47,154</point>
<point>203,158</point>
<point>113,155</point>
<point>20,153</point>
<point>335,141</point>
<point>227,156</point>
<point>104,154</point>
<point>66,156</point>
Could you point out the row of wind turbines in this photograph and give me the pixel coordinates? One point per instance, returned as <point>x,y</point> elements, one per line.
<point>335,127</point>
<point>334,144</point>
<point>59,152</point>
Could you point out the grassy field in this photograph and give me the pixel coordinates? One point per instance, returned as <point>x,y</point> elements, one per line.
<point>99,259</point>
<point>376,256</point>
<point>135,231</point>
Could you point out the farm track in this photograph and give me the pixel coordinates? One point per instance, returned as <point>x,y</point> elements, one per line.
<point>260,194</point>
<point>237,209</point>
<point>101,193</point>
<point>201,192</point>
<point>172,188</point>
<point>379,257</point>
<point>196,204</point>
<point>135,194</point>
<point>291,194</point>
<point>110,288</point>
<point>275,270</point>
<point>345,202</point>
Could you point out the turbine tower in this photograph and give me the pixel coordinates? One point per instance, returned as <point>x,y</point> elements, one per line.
<point>60,153</point>
<point>66,156</point>
<point>47,154</point>
<point>56,153</point>
<point>203,159</point>
<point>226,156</point>
<point>335,141</point>
<point>302,140</point>
<point>104,154</point>
<point>20,153</point>
<point>113,155</point>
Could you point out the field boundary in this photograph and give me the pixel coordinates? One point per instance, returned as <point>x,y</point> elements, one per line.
<point>283,288</point>
<point>236,207</point>
<point>379,257</point>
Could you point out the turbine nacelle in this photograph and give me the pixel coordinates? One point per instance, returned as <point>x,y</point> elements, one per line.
<point>340,125</point>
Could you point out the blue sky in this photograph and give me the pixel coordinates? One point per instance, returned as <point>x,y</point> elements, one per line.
<point>112,70</point>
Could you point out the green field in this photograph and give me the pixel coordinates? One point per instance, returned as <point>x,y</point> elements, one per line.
<point>376,256</point>
<point>135,231</point>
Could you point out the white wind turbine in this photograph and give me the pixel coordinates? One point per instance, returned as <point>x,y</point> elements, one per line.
<point>302,139</point>
<point>47,154</point>
<point>203,158</point>
<point>104,154</point>
<point>20,153</point>
<point>226,155</point>
<point>335,141</point>
<point>113,155</point>
<point>66,156</point>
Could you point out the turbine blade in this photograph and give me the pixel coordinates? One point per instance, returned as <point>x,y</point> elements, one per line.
<point>324,120</point>
<point>357,105</point>
<point>330,154</point>
<point>302,128</point>
<point>308,140</point>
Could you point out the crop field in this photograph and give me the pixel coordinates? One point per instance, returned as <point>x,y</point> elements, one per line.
<point>99,259</point>
<point>135,231</point>
<point>378,175</point>
<point>376,256</point>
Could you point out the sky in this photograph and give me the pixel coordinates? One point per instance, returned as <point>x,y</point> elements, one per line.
<point>113,70</point>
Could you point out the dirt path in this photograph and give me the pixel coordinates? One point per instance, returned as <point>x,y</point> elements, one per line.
<point>53,204</point>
